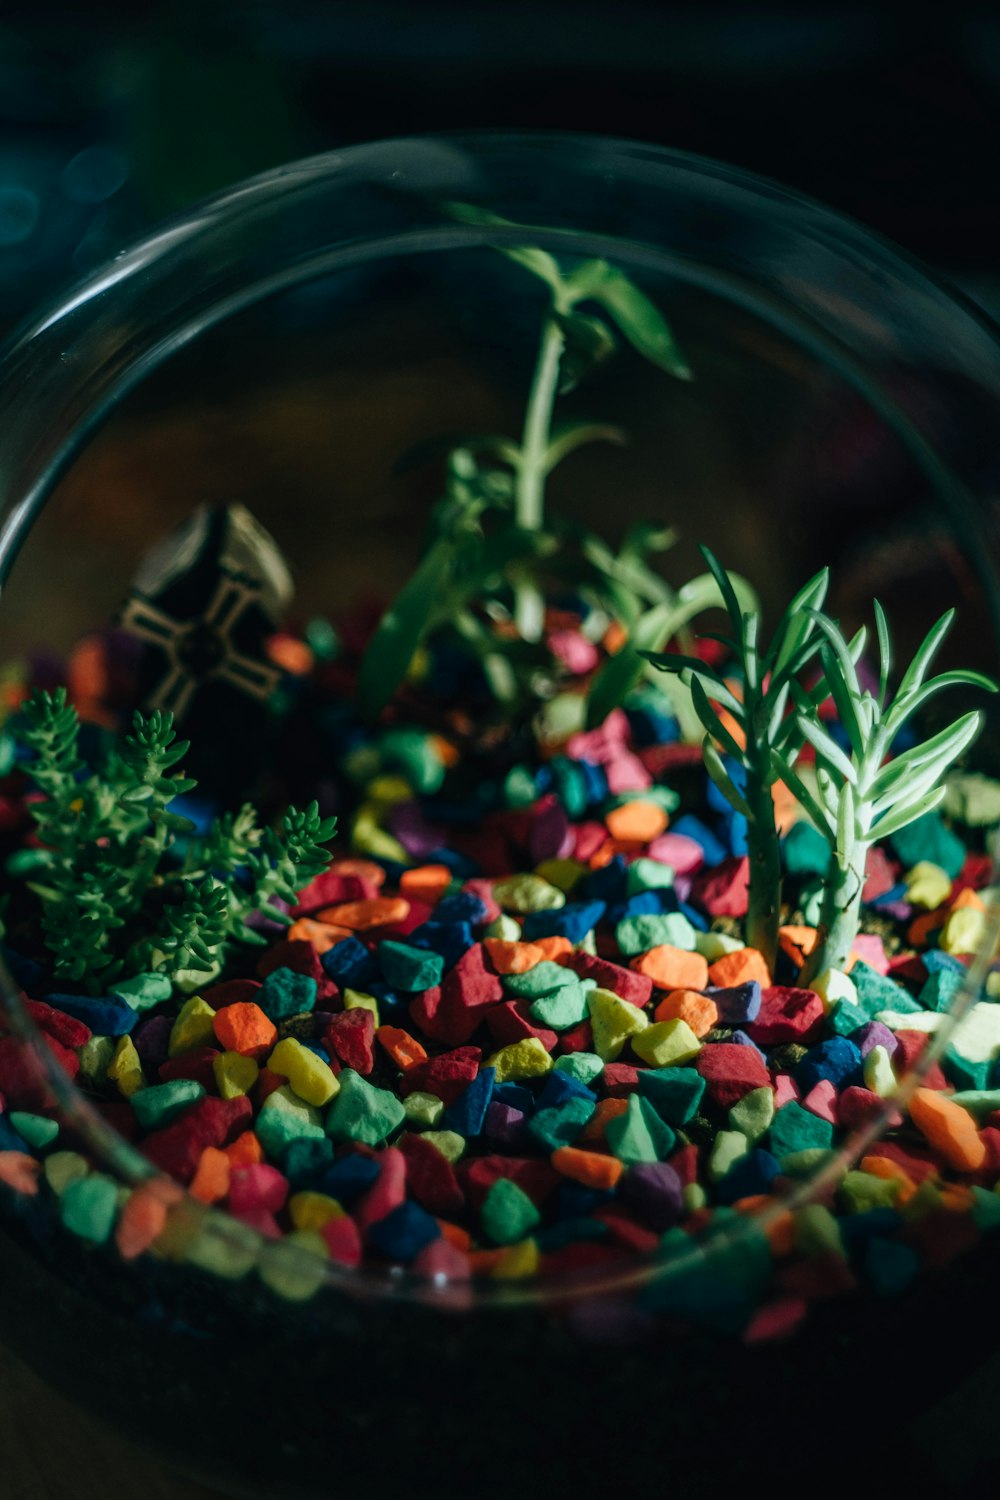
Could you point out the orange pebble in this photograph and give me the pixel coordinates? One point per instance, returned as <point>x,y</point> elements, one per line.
<point>322,935</point>
<point>780,1230</point>
<point>361,916</point>
<point>455,1235</point>
<point>949,1129</point>
<point>403,1048</point>
<point>920,930</point>
<point>797,942</point>
<point>602,856</point>
<point>425,882</point>
<point>446,750</point>
<point>20,1171</point>
<point>143,1219</point>
<point>588,1167</point>
<point>956,1197</point>
<point>786,808</point>
<point>636,822</point>
<point>614,638</point>
<point>699,1011</point>
<point>735,728</point>
<point>607,1109</point>
<point>364,869</point>
<point>244,1028</point>
<point>291,654</point>
<point>245,1151</point>
<point>673,968</point>
<point>739,968</point>
<point>884,1167</point>
<point>512,958</point>
<point>553,948</point>
<point>210,1183</point>
<point>968,897</point>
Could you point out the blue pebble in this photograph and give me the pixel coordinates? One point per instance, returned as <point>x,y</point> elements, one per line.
<point>693,828</point>
<point>596,781</point>
<point>349,1177</point>
<point>697,918</point>
<point>573,1200</point>
<point>837,1059</point>
<point>350,965</point>
<point>468,1113</point>
<point>742,1040</point>
<point>9,1138</point>
<point>464,906</point>
<point>320,1052</point>
<point>738,1004</point>
<point>714,797</point>
<point>404,1232</point>
<point>752,1174</point>
<point>572,921</point>
<point>24,971</point>
<point>652,728</point>
<point>609,883</point>
<point>737,834</point>
<point>644,903</point>
<point>105,1016</point>
<point>460,865</point>
<point>450,939</point>
<point>890,897</point>
<point>391,1006</point>
<point>516,1095</point>
<point>935,960</point>
<point>562,1086</point>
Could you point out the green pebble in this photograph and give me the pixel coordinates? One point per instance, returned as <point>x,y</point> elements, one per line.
<point>753,1113</point>
<point>88,1207</point>
<point>648,875</point>
<point>38,1131</point>
<point>639,1135</point>
<point>407,968</point>
<point>284,1118</point>
<point>450,1144</point>
<point>811,901</point>
<point>505,928</point>
<point>796,1129</point>
<point>519,788</point>
<point>293,1267</point>
<point>95,1057</point>
<point>817,1231</point>
<point>413,753</point>
<point>524,893</point>
<point>693,1197</point>
<point>878,992</point>
<point>583,1066</point>
<point>228,1251</point>
<point>727,1149</point>
<point>929,838</point>
<point>636,935</point>
<point>285,993</point>
<point>545,978</point>
<point>560,1125</point>
<point>63,1168</point>
<point>964,1073</point>
<point>675,1093</point>
<point>804,1163</point>
<point>562,1009</point>
<point>163,1102</point>
<point>941,989</point>
<point>362,1112</point>
<point>570,786</point>
<point>662,796</point>
<point>508,1214</point>
<point>985,1209</point>
<point>860,1191</point>
<point>143,991</point>
<point>979,1102</point>
<point>423,1109</point>
<point>805,850</point>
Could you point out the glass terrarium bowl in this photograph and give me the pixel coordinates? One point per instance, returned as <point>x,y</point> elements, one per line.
<point>283,345</point>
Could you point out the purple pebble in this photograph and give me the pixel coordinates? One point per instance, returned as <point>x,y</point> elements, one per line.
<point>682,886</point>
<point>504,1123</point>
<point>654,1190</point>
<point>418,837</point>
<point>152,1041</point>
<point>738,1004</point>
<point>549,836</point>
<point>875,1034</point>
<point>257,921</point>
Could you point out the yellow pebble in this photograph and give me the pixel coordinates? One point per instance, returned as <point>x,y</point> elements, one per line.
<point>965,931</point>
<point>367,837</point>
<point>832,986</point>
<point>927,885</point>
<point>359,1000</point>
<point>388,790</point>
<point>235,1075</point>
<point>613,1020</point>
<point>293,1267</point>
<point>667,1043</point>
<point>95,1056</point>
<point>309,1210</point>
<point>564,874</point>
<point>713,945</point>
<point>125,1069</point>
<point>450,1144</point>
<point>63,1168</point>
<point>308,1075</point>
<point>527,1059</point>
<point>878,1074</point>
<point>517,1261</point>
<point>193,1027</point>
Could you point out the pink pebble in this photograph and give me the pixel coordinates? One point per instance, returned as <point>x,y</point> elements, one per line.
<point>871,950</point>
<point>775,1320</point>
<point>259,1219</point>
<point>684,855</point>
<point>626,773</point>
<point>786,1090</point>
<point>386,1192</point>
<point>550,835</point>
<point>822,1101</point>
<point>442,1258</point>
<point>258,1186</point>
<point>484,890</point>
<point>588,839</point>
<point>343,1241</point>
<point>577,654</point>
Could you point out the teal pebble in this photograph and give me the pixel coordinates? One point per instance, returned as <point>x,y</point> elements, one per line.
<point>545,978</point>
<point>805,850</point>
<point>362,1112</point>
<point>88,1208</point>
<point>638,934</point>
<point>795,1129</point>
<point>562,1009</point>
<point>929,838</point>
<point>878,992</point>
<point>285,993</point>
<point>941,989</point>
<point>583,1066</point>
<point>144,990</point>
<point>561,1125</point>
<point>675,1093</point>
<point>406,968</point>
<point>639,1135</point>
<point>163,1102</point>
<point>38,1131</point>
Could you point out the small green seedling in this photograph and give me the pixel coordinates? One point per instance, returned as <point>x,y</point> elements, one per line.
<point>116,898</point>
<point>860,796</point>
<point>768,675</point>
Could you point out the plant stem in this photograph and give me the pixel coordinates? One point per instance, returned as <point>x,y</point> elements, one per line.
<point>839,914</point>
<point>764,908</point>
<point>530,487</point>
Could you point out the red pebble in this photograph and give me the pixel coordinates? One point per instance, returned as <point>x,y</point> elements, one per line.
<point>990,1137</point>
<point>299,955</point>
<point>974,874</point>
<point>331,889</point>
<point>351,1035</point>
<point>857,1106</point>
<point>430,1177</point>
<point>620,1080</point>
<point>231,992</point>
<point>579,1038</point>
<point>775,1320</point>
<point>581,1256</point>
<point>685,1164</point>
<point>466,995</point>
<point>419,912</point>
<point>731,1070</point>
<point>198,1065</point>
<point>267,1084</point>
<point>660,758</point>
<point>511,1022</point>
<point>446,1076</point>
<point>440,1258</point>
<point>177,1148</point>
<point>260,1220</point>
<point>343,1241</point>
<point>723,890</point>
<point>626,1231</point>
<point>533,1176</point>
<point>911,1045</point>
<point>65,1029</point>
<point>637,989</point>
<point>880,874</point>
<point>589,838</point>
<point>484,890</point>
<point>917,1164</point>
<point>67,1059</point>
<point>821,1276</point>
<point>786,1015</point>
<point>22,1081</point>
<point>120,1116</point>
<point>387,1191</point>
<point>907,966</point>
<point>256,1187</point>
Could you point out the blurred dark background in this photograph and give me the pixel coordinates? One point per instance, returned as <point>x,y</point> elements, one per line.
<point>111,118</point>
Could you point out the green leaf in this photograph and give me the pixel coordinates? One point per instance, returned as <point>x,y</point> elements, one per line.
<point>717,771</point>
<point>926,652</point>
<point>575,434</point>
<point>402,628</point>
<point>784,771</point>
<point>637,317</point>
<point>904,708</point>
<point>901,816</point>
<point>796,624</point>
<point>884,651</point>
<point>829,749</point>
<point>845,701</point>
<point>710,719</point>
<point>538,262</point>
<point>940,750</point>
<point>589,342</point>
<point>728,592</point>
<point>846,827</point>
